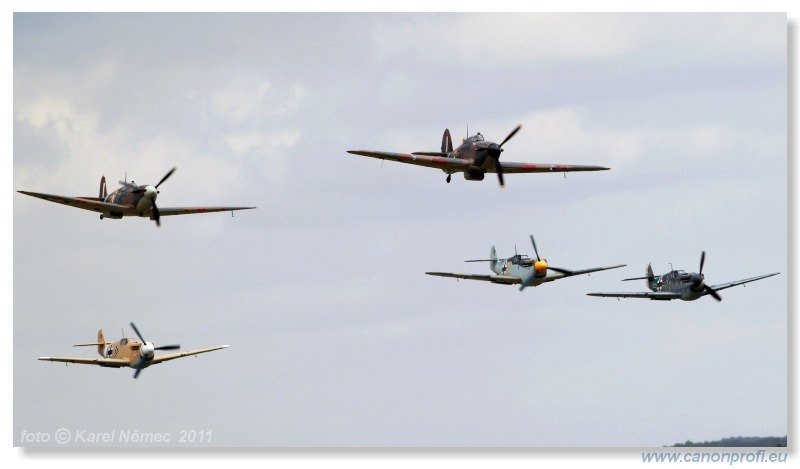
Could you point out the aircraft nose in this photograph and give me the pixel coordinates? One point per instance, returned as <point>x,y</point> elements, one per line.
<point>151,192</point>
<point>148,349</point>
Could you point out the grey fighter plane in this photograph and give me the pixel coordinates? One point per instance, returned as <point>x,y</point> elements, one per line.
<point>522,270</point>
<point>474,157</point>
<point>679,285</point>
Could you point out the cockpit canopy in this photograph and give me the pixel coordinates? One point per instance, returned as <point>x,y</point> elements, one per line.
<point>477,138</point>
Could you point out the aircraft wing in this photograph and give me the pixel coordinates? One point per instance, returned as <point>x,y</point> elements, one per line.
<point>653,295</point>
<point>172,356</point>
<point>440,162</point>
<point>87,203</point>
<point>546,168</point>
<point>570,273</point>
<point>112,362</point>
<point>189,210</point>
<point>504,279</point>
<point>740,282</point>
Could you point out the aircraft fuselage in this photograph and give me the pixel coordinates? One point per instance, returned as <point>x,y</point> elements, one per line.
<point>688,285</point>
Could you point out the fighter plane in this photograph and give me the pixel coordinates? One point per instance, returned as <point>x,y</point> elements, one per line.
<point>679,285</point>
<point>474,157</point>
<point>129,200</point>
<point>522,270</point>
<point>136,354</point>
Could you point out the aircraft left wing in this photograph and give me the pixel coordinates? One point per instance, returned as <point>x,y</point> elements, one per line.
<point>172,356</point>
<point>570,273</point>
<point>189,210</point>
<point>504,279</point>
<point>112,362</point>
<point>740,282</point>
<point>440,162</point>
<point>546,168</point>
<point>653,295</point>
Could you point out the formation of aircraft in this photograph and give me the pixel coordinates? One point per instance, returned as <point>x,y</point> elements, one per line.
<point>132,353</point>
<point>130,200</point>
<point>679,285</point>
<point>474,157</point>
<point>522,270</point>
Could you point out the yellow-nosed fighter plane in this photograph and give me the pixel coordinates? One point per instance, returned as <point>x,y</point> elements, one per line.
<point>136,354</point>
<point>522,270</point>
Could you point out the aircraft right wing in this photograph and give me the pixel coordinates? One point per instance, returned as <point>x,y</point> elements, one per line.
<point>87,203</point>
<point>653,295</point>
<point>418,159</point>
<point>504,279</point>
<point>112,362</point>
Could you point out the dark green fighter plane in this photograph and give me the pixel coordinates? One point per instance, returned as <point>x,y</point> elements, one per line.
<point>474,157</point>
<point>130,200</point>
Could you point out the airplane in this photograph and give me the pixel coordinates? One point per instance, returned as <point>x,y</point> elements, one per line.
<point>679,285</point>
<point>474,157</point>
<point>136,354</point>
<point>522,270</point>
<point>129,200</point>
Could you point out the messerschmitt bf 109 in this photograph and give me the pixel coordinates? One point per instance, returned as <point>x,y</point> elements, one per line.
<point>522,270</point>
<point>474,157</point>
<point>130,200</point>
<point>136,354</point>
<point>679,285</point>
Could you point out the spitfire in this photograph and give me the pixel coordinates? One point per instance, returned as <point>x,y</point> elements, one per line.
<point>521,269</point>
<point>129,200</point>
<point>679,285</point>
<point>474,157</point>
<point>136,354</point>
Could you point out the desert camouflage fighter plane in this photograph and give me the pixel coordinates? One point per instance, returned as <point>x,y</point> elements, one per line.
<point>679,285</point>
<point>523,270</point>
<point>136,354</point>
<point>130,200</point>
<point>474,157</point>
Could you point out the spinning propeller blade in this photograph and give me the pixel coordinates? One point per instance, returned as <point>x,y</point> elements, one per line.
<point>496,155</point>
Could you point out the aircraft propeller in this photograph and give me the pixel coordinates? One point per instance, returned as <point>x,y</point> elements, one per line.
<point>701,281</point>
<point>540,266</point>
<point>495,153</point>
<point>151,192</point>
<point>148,349</point>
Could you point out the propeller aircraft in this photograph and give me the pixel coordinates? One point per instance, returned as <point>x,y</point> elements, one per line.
<point>136,354</point>
<point>522,270</point>
<point>130,200</point>
<point>474,157</point>
<point>679,285</point>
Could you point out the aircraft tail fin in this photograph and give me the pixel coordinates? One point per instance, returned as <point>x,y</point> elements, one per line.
<point>447,142</point>
<point>493,254</point>
<point>650,282</point>
<point>100,339</point>
<point>103,188</point>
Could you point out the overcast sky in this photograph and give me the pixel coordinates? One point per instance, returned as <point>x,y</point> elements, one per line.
<point>338,338</point>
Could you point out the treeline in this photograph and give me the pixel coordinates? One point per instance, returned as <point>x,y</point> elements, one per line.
<point>740,441</point>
